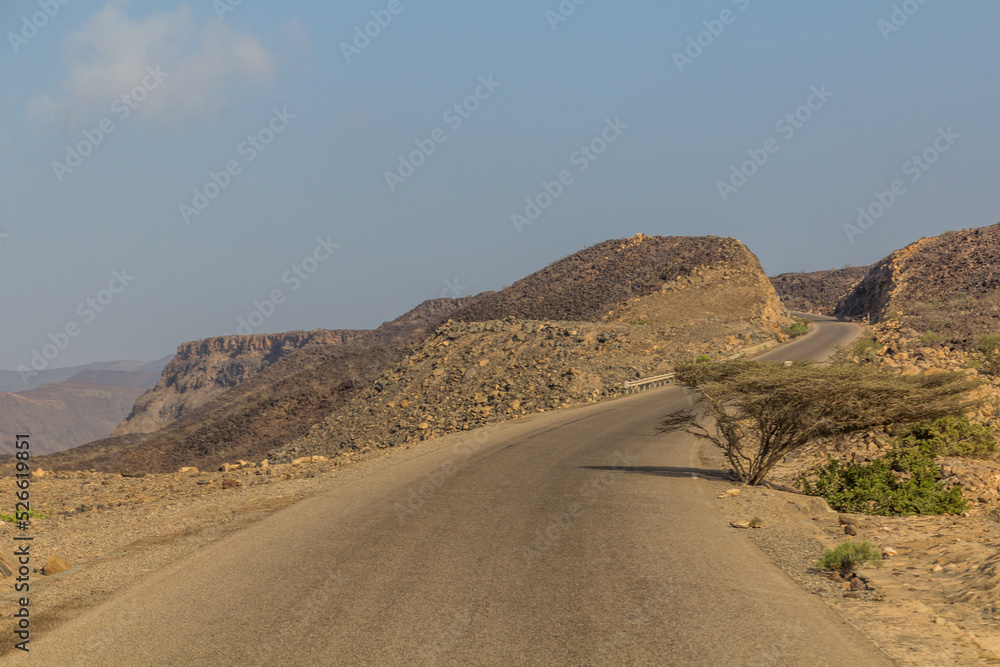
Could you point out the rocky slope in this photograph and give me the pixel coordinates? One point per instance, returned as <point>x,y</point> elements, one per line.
<point>62,415</point>
<point>203,369</point>
<point>471,373</point>
<point>946,287</point>
<point>817,291</point>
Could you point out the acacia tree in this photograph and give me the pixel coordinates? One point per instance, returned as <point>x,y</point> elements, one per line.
<point>757,412</point>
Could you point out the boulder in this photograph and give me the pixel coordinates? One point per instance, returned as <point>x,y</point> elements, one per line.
<point>55,564</point>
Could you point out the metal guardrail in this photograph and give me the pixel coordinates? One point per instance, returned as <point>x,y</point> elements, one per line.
<point>635,386</point>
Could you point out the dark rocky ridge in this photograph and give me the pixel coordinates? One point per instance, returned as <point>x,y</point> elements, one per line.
<point>817,291</point>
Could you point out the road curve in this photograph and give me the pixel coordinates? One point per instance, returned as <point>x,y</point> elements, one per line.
<point>578,537</point>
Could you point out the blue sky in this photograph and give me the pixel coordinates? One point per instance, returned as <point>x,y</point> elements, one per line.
<point>769,122</point>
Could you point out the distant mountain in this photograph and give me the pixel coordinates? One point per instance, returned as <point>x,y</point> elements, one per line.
<point>817,291</point>
<point>142,379</point>
<point>12,381</point>
<point>62,415</point>
<point>946,288</point>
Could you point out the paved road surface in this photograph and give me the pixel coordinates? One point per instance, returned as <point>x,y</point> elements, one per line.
<point>579,537</point>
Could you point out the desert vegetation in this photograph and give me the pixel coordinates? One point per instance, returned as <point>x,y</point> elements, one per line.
<point>757,413</point>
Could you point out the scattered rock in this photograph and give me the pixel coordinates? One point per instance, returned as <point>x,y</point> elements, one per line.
<point>888,552</point>
<point>729,493</point>
<point>937,568</point>
<point>852,595</point>
<point>230,483</point>
<point>940,620</point>
<point>55,564</point>
<point>849,529</point>
<point>756,522</point>
<point>188,469</point>
<point>739,524</point>
<point>857,584</point>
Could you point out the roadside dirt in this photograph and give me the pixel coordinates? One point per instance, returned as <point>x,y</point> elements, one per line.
<point>936,602</point>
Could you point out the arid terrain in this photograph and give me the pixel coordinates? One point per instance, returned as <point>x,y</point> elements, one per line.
<point>238,427</point>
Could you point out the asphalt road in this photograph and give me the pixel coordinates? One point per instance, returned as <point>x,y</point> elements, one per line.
<point>578,537</point>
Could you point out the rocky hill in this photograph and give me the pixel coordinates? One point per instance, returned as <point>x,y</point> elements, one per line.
<point>203,369</point>
<point>639,305</point>
<point>946,288</point>
<point>817,291</point>
<point>62,415</point>
<point>687,297</point>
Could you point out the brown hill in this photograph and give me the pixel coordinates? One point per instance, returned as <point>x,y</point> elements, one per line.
<point>946,288</point>
<point>473,373</point>
<point>817,291</point>
<point>14,381</point>
<point>63,414</point>
<point>276,405</point>
<point>203,369</point>
<point>587,285</point>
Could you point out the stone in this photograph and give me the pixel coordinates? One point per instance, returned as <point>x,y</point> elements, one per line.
<point>937,568</point>
<point>230,483</point>
<point>857,584</point>
<point>302,460</point>
<point>729,493</point>
<point>55,564</point>
<point>188,469</point>
<point>739,524</point>
<point>849,529</point>
<point>38,473</point>
<point>848,519</point>
<point>756,522</point>
<point>940,620</point>
<point>888,552</point>
<point>319,459</point>
<point>852,595</point>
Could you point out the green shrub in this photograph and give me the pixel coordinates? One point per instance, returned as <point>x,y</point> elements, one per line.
<point>11,518</point>
<point>903,482</point>
<point>948,436</point>
<point>849,555</point>
<point>800,327</point>
<point>703,359</point>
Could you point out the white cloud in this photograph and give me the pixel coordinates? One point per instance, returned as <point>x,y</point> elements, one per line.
<point>108,57</point>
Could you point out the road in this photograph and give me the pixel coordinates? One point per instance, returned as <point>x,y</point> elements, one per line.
<point>578,537</point>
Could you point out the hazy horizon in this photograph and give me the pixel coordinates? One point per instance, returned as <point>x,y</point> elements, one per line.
<point>173,168</point>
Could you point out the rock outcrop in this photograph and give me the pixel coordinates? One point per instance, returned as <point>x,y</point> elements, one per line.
<point>203,369</point>
<point>947,287</point>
